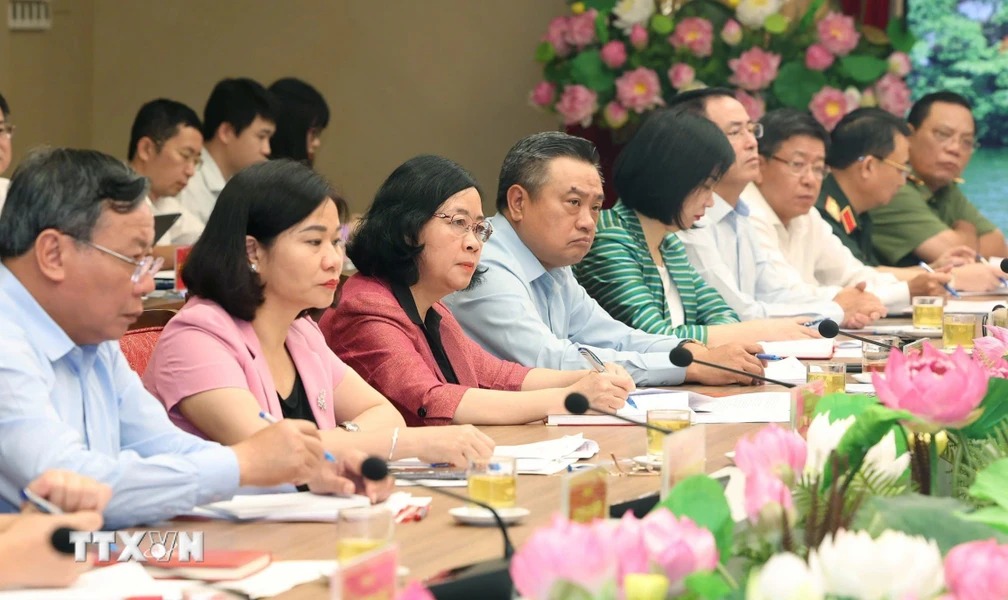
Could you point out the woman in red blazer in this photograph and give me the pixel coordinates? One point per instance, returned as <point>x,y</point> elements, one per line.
<point>420,241</point>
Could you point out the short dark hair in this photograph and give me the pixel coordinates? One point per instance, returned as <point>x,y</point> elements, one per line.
<point>66,190</point>
<point>864,132</point>
<point>671,155</point>
<point>4,107</point>
<point>262,201</point>
<point>238,102</point>
<point>527,162</point>
<point>386,243</point>
<point>922,108</point>
<point>300,108</point>
<point>782,124</point>
<point>695,101</point>
<point>160,120</point>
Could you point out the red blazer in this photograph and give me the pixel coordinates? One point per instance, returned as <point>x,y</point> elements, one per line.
<point>372,334</point>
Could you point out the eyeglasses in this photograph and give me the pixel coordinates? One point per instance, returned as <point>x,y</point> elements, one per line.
<point>461,224</point>
<point>756,129</point>
<point>797,167</point>
<point>905,170</point>
<point>193,159</point>
<point>7,130</point>
<point>966,142</point>
<point>148,265</point>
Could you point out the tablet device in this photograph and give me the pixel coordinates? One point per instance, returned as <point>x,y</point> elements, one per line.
<point>162,223</point>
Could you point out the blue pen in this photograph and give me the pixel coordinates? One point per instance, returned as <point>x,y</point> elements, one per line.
<point>40,503</point>
<point>947,287</point>
<point>271,419</point>
<point>595,363</point>
<point>981,259</point>
<point>762,356</point>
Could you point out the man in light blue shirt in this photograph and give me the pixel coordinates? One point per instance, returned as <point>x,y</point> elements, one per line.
<point>75,265</point>
<point>530,308</point>
<point>722,246</point>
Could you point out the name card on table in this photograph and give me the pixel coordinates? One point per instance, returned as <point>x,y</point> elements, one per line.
<point>370,576</point>
<point>684,453</point>
<point>803,403</point>
<point>584,495</point>
<point>181,255</point>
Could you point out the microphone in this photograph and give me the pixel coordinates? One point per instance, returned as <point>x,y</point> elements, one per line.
<point>577,404</point>
<point>488,579</point>
<point>829,329</point>
<point>1004,265</point>
<point>681,357</point>
<point>60,540</point>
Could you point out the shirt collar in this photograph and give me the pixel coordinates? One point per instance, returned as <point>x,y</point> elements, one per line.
<point>405,299</point>
<point>211,173</point>
<point>754,196</point>
<point>46,334</point>
<point>507,238</point>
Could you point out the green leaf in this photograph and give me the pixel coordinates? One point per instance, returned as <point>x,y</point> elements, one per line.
<point>588,69</point>
<point>868,429</point>
<point>709,586</point>
<point>995,410</point>
<point>809,16</point>
<point>841,406</point>
<point>661,24</point>
<point>993,516</point>
<point>991,484</point>
<point>702,499</point>
<point>900,37</point>
<point>603,6</point>
<point>602,28</point>
<point>863,69</point>
<point>776,23</point>
<point>569,590</point>
<point>545,52</point>
<point>935,518</point>
<point>795,85</point>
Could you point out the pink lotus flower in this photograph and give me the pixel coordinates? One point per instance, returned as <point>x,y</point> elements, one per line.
<point>755,106</point>
<point>615,115</point>
<point>774,450</point>
<point>614,54</point>
<point>415,591</point>
<point>977,571</point>
<point>755,69</point>
<point>899,64</point>
<point>542,94</point>
<point>818,58</point>
<point>828,106</point>
<point>639,90</point>
<point>990,351</point>
<point>893,94</point>
<point>577,105</point>
<point>556,35</point>
<point>853,96</point>
<point>547,557</point>
<point>837,33</point>
<point>731,33</point>
<point>868,98</point>
<point>581,29</point>
<point>767,500</point>
<point>695,34</point>
<point>681,75</point>
<point>678,545</point>
<point>940,389</point>
<point>627,537</point>
<point>638,37</point>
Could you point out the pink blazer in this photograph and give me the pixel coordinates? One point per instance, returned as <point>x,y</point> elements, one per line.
<point>204,348</point>
<point>372,333</point>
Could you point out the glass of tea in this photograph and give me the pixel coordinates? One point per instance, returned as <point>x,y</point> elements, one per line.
<point>927,312</point>
<point>875,355</point>
<point>672,419</point>
<point>362,530</point>
<point>832,374</point>
<point>493,481</point>
<point>959,329</point>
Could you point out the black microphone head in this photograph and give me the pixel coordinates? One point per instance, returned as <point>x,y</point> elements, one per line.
<point>60,540</point>
<point>374,468</point>
<point>828,328</point>
<point>681,357</point>
<point>576,404</point>
<point>1004,265</point>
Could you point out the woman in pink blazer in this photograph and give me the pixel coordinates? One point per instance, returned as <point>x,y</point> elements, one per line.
<point>243,343</point>
<point>420,241</point>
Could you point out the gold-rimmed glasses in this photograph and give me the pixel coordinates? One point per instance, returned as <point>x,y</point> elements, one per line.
<point>756,129</point>
<point>461,224</point>
<point>798,166</point>
<point>148,265</point>
<point>966,142</point>
<point>905,170</point>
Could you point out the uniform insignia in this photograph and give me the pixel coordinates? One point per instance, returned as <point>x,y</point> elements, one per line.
<point>832,208</point>
<point>848,220</point>
<point>321,401</point>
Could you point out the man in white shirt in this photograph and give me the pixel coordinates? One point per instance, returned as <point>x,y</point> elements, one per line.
<point>165,147</point>
<point>792,168</point>
<point>6,133</point>
<point>238,122</point>
<point>722,247</point>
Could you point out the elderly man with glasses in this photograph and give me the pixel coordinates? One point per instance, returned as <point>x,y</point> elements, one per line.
<point>930,214</point>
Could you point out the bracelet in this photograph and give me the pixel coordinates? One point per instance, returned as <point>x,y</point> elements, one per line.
<point>395,440</point>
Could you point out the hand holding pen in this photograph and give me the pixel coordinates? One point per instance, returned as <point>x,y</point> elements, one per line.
<point>617,383</point>
<point>948,288</point>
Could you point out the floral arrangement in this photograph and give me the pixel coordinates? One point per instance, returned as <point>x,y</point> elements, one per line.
<point>609,62</point>
<point>899,495</point>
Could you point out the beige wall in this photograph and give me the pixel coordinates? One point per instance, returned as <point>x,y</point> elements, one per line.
<point>402,77</point>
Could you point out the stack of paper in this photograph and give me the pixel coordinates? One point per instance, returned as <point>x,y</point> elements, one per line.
<point>979,307</point>
<point>757,407</point>
<point>296,506</point>
<point>645,399</point>
<point>900,330</point>
<point>550,456</point>
<point>811,348</point>
<point>789,370</point>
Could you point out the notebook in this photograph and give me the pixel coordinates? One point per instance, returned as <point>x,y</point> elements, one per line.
<point>644,399</point>
<point>217,565</point>
<point>298,506</point>
<point>812,348</point>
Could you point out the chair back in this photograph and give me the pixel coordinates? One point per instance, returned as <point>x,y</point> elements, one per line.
<point>154,317</point>
<point>138,345</point>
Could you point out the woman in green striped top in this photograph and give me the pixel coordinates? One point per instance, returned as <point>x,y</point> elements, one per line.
<point>637,267</point>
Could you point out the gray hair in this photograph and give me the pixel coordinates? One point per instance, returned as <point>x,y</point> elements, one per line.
<point>66,190</point>
<point>526,163</point>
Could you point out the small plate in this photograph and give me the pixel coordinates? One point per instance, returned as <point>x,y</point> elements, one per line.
<point>474,515</point>
<point>651,462</point>
<point>862,377</point>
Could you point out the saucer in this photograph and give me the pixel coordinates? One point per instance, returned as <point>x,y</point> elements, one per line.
<point>474,515</point>
<point>862,377</point>
<point>651,462</point>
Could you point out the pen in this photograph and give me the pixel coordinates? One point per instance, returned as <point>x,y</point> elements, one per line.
<point>814,322</point>
<point>762,356</point>
<point>271,419</point>
<point>948,287</point>
<point>594,362</point>
<point>981,259</point>
<point>40,503</point>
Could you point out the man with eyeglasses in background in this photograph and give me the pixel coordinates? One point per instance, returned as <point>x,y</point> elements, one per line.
<point>930,214</point>
<point>722,247</point>
<point>6,133</point>
<point>165,146</point>
<point>793,153</point>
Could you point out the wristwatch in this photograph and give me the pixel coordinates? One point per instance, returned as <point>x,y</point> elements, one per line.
<point>349,426</point>
<point>690,341</point>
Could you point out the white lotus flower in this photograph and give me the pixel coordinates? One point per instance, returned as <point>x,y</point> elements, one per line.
<point>896,566</point>
<point>633,12</point>
<point>822,438</point>
<point>784,577</point>
<point>753,13</point>
<point>881,459</point>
